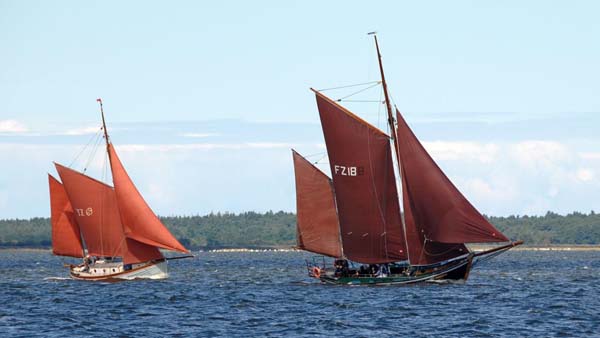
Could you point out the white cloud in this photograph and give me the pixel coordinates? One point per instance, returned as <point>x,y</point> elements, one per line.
<point>584,175</point>
<point>540,154</point>
<point>12,126</point>
<point>493,188</point>
<point>500,178</point>
<point>203,146</point>
<point>81,131</point>
<point>590,156</point>
<point>553,192</point>
<point>479,187</point>
<point>462,151</point>
<point>199,135</point>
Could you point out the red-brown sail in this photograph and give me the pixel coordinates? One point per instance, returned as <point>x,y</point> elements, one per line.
<point>66,238</point>
<point>365,186</point>
<point>139,222</point>
<point>438,218</point>
<point>96,211</point>
<point>138,252</point>
<point>317,220</point>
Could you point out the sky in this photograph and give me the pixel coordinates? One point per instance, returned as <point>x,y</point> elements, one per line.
<point>205,99</point>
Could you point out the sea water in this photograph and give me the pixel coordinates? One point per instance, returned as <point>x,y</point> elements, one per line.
<point>517,294</point>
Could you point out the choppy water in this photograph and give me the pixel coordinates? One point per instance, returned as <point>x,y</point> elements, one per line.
<point>541,294</point>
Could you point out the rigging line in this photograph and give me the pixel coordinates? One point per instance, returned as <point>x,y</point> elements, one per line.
<point>379,109</point>
<point>84,147</point>
<point>92,154</point>
<point>368,101</point>
<point>349,86</point>
<point>357,92</point>
<point>314,154</point>
<point>319,160</point>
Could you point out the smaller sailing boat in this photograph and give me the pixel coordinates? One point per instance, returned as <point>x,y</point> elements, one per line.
<point>355,216</point>
<point>111,227</point>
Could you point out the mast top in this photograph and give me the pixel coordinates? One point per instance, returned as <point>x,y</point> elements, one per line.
<point>388,104</point>
<point>99,100</point>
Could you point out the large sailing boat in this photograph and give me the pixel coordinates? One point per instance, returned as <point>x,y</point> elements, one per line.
<point>111,227</point>
<point>356,216</point>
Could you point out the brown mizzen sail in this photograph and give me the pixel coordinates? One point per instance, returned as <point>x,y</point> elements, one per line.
<point>66,238</point>
<point>365,188</point>
<point>438,218</point>
<point>317,221</point>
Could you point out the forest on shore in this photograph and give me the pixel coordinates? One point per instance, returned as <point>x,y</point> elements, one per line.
<point>278,229</point>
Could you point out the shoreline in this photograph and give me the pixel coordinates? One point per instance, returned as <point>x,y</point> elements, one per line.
<point>476,248</point>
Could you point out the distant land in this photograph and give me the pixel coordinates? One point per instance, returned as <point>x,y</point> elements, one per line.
<point>278,230</point>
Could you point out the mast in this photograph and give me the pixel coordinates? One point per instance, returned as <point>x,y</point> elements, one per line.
<point>388,104</point>
<point>103,123</point>
<point>107,154</point>
<point>392,125</point>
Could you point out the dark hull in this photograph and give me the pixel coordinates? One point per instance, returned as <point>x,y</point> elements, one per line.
<point>455,270</point>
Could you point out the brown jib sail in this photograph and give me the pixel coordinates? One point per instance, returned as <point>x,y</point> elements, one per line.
<point>438,218</point>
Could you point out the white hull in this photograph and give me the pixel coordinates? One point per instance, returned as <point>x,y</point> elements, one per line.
<point>103,271</point>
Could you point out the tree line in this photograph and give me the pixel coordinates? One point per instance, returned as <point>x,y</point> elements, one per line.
<point>278,229</point>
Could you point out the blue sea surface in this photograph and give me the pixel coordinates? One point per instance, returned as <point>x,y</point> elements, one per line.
<point>517,294</point>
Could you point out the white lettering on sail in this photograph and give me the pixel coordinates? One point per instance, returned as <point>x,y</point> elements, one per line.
<point>348,171</point>
<point>87,212</point>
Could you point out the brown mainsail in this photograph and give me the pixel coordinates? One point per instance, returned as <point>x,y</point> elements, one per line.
<point>66,237</point>
<point>365,187</point>
<point>318,227</point>
<point>96,212</point>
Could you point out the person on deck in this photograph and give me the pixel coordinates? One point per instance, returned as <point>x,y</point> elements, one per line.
<point>341,267</point>
<point>373,269</point>
<point>383,271</point>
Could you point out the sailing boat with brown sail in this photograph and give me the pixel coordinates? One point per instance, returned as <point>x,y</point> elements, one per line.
<point>111,227</point>
<point>356,215</point>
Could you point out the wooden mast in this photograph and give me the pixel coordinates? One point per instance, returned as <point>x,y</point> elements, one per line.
<point>103,123</point>
<point>107,153</point>
<point>388,104</point>
<point>393,134</point>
